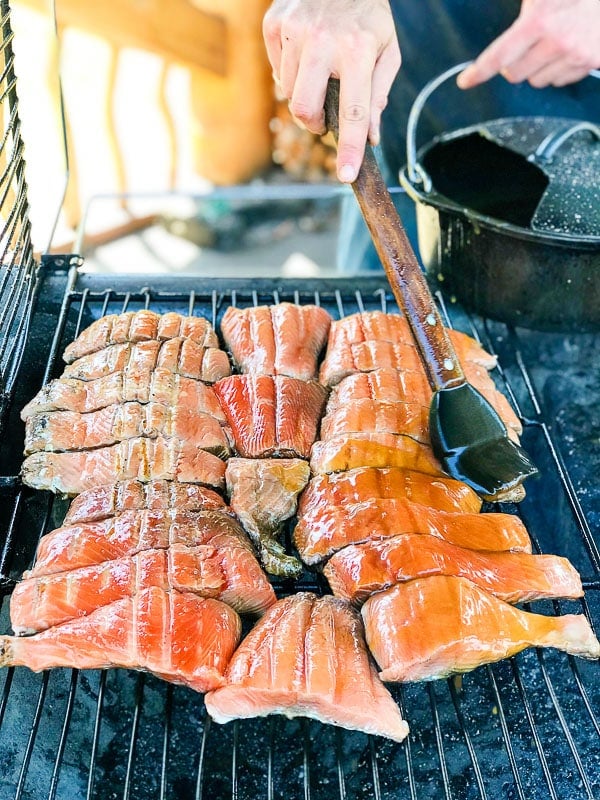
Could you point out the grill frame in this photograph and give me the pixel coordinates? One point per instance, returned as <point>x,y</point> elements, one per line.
<point>526,728</point>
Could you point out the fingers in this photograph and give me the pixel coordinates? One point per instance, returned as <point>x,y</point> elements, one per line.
<point>354,119</point>
<point>385,71</point>
<point>557,73</point>
<point>308,96</point>
<point>504,51</point>
<point>272,38</point>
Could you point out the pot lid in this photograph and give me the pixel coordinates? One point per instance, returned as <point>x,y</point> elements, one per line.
<point>568,152</point>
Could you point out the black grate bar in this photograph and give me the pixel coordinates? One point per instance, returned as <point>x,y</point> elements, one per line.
<point>235,758</point>
<point>63,735</point>
<point>10,674</point>
<point>32,736</point>
<point>374,769</point>
<point>10,542</point>
<point>467,737</point>
<point>340,767</point>
<point>439,740</point>
<point>407,747</point>
<point>583,692</point>
<point>96,735</point>
<point>166,739</point>
<point>306,757</point>
<point>133,738</point>
<point>506,737</point>
<point>207,724</point>
<point>270,789</point>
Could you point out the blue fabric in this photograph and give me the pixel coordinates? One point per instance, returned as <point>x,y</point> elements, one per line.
<point>434,36</point>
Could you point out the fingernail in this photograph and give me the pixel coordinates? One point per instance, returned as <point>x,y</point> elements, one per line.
<point>347,173</point>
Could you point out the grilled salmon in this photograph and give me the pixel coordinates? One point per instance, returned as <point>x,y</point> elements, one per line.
<point>367,483</point>
<point>179,356</point>
<point>159,386</point>
<point>69,430</point>
<point>263,493</point>
<point>271,416</point>
<point>177,636</point>
<point>431,627</point>
<point>410,419</point>
<point>139,326</point>
<point>282,339</point>
<point>357,571</point>
<point>307,657</point>
<point>326,529</point>
<point>142,458</point>
<point>133,495</point>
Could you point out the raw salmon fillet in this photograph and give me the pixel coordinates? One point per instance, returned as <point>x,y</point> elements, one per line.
<point>159,386</point>
<point>410,419</point>
<point>180,356</point>
<point>133,495</point>
<point>282,339</point>
<point>142,458</point>
<point>70,430</point>
<point>139,326</point>
<point>367,483</point>
<point>326,529</point>
<point>177,636</point>
<point>224,570</point>
<point>431,627</point>
<point>271,416</point>
<point>371,449</point>
<point>307,657</point>
<point>264,493</point>
<point>87,544</point>
<point>358,571</point>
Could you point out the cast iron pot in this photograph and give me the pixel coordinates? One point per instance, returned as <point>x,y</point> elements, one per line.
<point>508,216</point>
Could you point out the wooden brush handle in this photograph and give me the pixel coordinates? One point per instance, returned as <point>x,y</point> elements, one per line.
<point>401,266</point>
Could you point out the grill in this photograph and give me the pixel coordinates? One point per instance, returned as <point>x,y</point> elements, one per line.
<point>526,728</point>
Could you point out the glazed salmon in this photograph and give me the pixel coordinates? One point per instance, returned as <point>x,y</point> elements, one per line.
<point>271,416</point>
<point>177,636</point>
<point>91,543</point>
<point>431,627</point>
<point>179,356</point>
<point>371,449</point>
<point>410,419</point>
<point>139,326</point>
<point>366,483</point>
<point>159,386</point>
<point>142,458</point>
<point>324,530</point>
<point>133,495</point>
<point>307,657</point>
<point>282,339</point>
<point>264,493</point>
<point>70,430</point>
<point>225,570</point>
<point>357,571</point>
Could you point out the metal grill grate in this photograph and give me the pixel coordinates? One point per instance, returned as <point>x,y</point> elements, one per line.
<point>16,251</point>
<point>525,728</point>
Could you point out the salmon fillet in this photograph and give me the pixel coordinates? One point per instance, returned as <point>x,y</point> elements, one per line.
<point>357,571</point>
<point>71,430</point>
<point>282,339</point>
<point>87,544</point>
<point>133,495</point>
<point>431,627</point>
<point>177,636</point>
<point>307,657</point>
<point>367,483</point>
<point>264,493</point>
<point>159,386</point>
<point>142,458</point>
<point>410,419</point>
<point>139,326</point>
<point>225,570</point>
<point>271,416</point>
<point>326,529</point>
<point>179,356</point>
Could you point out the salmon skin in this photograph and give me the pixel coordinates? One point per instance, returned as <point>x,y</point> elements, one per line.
<point>367,483</point>
<point>69,430</point>
<point>86,544</point>
<point>146,459</point>
<point>140,326</point>
<point>159,386</point>
<point>324,530</point>
<point>271,416</point>
<point>133,495</point>
<point>357,571</point>
<point>179,356</point>
<point>432,627</point>
<point>282,339</point>
<point>263,493</point>
<point>225,570</point>
<point>307,657</point>
<point>177,636</point>
<point>410,419</point>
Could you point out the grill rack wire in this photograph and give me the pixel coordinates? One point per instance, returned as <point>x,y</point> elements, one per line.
<point>526,728</point>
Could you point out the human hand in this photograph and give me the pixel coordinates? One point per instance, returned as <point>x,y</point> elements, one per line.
<point>308,41</point>
<point>553,42</point>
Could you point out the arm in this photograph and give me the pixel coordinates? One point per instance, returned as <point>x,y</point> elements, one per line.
<point>308,41</point>
<point>553,42</point>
